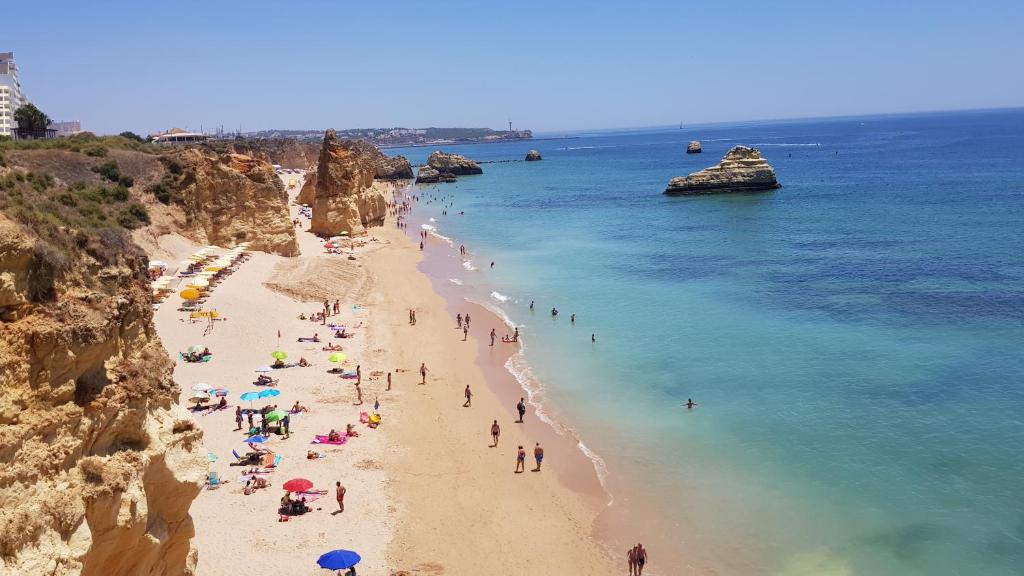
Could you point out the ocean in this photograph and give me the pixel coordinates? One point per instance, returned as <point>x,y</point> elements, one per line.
<point>854,341</point>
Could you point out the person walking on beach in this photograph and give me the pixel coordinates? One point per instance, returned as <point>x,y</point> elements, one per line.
<point>423,373</point>
<point>538,455</point>
<point>413,316</point>
<point>359,374</point>
<point>327,307</point>
<point>337,306</point>
<point>458,319</point>
<point>389,381</point>
<point>520,461</point>
<point>631,560</point>
<point>467,320</point>
<point>494,333</point>
<point>469,397</point>
<point>521,408</point>
<point>641,559</point>
<point>286,423</point>
<point>238,417</point>
<point>495,432</point>
<point>465,332</point>
<point>515,335</point>
<point>339,493</point>
<point>249,414</point>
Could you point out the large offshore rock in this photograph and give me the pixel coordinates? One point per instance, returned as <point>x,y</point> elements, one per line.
<point>232,198</point>
<point>427,175</point>
<point>346,199</point>
<point>532,156</point>
<point>454,164</point>
<point>741,170</point>
<point>397,168</point>
<point>694,147</point>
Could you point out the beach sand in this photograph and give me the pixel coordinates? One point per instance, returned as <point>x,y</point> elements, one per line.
<point>426,493</point>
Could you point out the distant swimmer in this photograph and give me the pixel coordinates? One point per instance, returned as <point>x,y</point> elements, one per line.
<point>690,403</point>
<point>531,304</point>
<point>492,264</point>
<point>593,338</point>
<point>572,318</point>
<point>554,312</point>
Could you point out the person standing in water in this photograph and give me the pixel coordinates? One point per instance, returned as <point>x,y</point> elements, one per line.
<point>593,338</point>
<point>521,408</point>
<point>531,304</point>
<point>690,404</point>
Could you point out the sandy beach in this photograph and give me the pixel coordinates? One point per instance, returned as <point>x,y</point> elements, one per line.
<point>425,491</point>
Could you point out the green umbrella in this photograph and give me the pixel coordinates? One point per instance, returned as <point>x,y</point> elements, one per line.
<point>275,415</point>
<point>278,355</point>
<point>337,357</point>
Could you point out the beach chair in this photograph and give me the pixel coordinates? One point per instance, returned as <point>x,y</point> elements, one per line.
<point>235,454</point>
<point>212,481</point>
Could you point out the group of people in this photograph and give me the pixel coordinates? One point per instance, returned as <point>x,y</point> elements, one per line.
<point>636,557</point>
<point>190,356</point>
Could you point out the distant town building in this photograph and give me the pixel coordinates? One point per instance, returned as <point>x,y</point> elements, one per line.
<point>179,136</point>
<point>66,128</point>
<point>11,96</point>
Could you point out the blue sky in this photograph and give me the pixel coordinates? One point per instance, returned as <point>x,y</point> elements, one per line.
<point>147,66</point>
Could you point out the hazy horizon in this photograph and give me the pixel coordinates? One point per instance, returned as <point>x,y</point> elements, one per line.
<point>567,67</point>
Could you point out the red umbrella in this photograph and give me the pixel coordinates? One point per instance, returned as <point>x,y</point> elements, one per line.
<point>297,485</point>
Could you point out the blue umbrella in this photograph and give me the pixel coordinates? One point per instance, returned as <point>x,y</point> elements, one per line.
<point>257,439</point>
<point>269,393</point>
<point>339,560</point>
<point>249,397</point>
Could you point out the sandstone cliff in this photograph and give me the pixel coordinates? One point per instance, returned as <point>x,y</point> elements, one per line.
<point>285,152</point>
<point>98,464</point>
<point>345,198</point>
<point>308,191</point>
<point>397,168</point>
<point>234,198</point>
<point>454,164</point>
<point>741,170</point>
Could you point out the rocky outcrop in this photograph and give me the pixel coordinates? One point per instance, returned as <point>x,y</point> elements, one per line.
<point>741,170</point>
<point>345,198</point>
<point>397,168</point>
<point>98,463</point>
<point>234,198</point>
<point>285,152</point>
<point>427,175</point>
<point>532,156</point>
<point>694,147</point>
<point>308,191</point>
<point>454,164</point>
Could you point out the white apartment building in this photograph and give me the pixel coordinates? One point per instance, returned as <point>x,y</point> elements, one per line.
<point>11,97</point>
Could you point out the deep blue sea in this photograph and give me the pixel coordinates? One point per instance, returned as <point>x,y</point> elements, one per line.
<point>854,340</point>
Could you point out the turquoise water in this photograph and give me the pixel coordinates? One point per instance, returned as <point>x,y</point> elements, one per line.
<point>854,340</point>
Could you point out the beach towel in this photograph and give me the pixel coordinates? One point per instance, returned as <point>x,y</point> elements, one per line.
<point>349,375</point>
<point>206,358</point>
<point>321,439</point>
<point>307,340</point>
<point>364,417</point>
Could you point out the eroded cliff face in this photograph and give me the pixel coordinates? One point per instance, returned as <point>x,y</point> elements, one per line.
<point>234,198</point>
<point>346,199</point>
<point>98,463</point>
<point>308,191</point>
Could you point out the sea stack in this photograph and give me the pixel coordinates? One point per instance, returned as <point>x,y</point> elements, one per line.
<point>741,170</point>
<point>693,147</point>
<point>454,164</point>
<point>346,199</point>
<point>532,156</point>
<point>427,175</point>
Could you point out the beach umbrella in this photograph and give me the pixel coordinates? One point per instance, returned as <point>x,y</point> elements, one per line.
<point>190,294</point>
<point>153,264</point>
<point>297,485</point>
<point>200,387</point>
<point>264,369</point>
<point>196,348</point>
<point>250,396</point>
<point>278,355</point>
<point>337,357</point>
<point>275,415</point>
<point>199,398</point>
<point>257,439</point>
<point>218,392</point>
<point>211,457</point>
<point>338,560</point>
<point>199,283</point>
<point>269,393</point>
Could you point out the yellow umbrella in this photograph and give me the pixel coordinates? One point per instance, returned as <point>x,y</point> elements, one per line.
<point>190,294</point>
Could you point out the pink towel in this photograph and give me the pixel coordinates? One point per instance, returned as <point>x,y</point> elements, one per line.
<point>319,439</point>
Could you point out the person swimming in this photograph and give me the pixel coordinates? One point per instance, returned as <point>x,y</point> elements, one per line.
<point>690,403</point>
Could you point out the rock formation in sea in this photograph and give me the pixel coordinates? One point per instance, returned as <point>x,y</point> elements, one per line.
<point>98,462</point>
<point>454,164</point>
<point>694,147</point>
<point>234,198</point>
<point>427,175</point>
<point>346,199</point>
<point>741,170</point>
<point>532,156</point>
<point>397,168</point>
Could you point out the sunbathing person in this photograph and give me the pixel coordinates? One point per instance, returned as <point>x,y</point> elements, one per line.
<point>350,430</point>
<point>264,380</point>
<point>333,436</point>
<point>278,363</point>
<point>340,333</point>
<point>303,362</point>
<point>221,405</point>
<point>299,408</point>
<point>333,347</point>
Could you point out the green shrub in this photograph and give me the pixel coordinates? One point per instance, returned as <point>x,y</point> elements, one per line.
<point>48,263</point>
<point>96,151</point>
<point>67,199</point>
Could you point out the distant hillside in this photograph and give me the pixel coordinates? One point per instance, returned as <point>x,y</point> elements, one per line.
<point>401,136</point>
